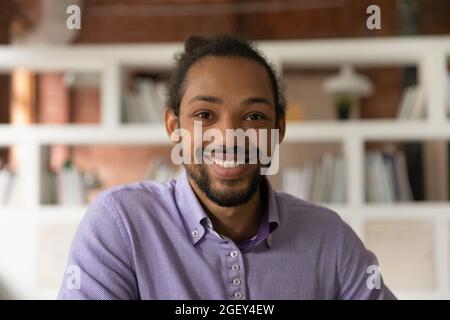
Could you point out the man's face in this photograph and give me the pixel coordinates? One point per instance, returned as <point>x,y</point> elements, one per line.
<point>227,93</point>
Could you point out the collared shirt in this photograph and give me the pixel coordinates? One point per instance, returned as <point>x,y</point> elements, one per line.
<point>148,240</point>
<point>263,233</point>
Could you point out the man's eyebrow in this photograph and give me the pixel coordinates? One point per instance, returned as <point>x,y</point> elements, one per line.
<point>209,99</point>
<point>254,100</point>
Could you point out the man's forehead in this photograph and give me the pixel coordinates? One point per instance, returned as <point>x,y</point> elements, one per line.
<point>222,66</point>
<point>221,73</point>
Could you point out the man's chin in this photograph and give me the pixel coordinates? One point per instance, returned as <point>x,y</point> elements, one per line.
<point>226,192</point>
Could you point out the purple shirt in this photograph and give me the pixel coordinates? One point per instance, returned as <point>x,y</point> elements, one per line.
<point>149,240</point>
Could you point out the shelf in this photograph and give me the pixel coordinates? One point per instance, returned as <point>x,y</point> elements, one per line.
<point>84,134</point>
<point>366,130</point>
<point>46,213</point>
<point>321,52</point>
<point>112,61</point>
<point>409,211</point>
<point>421,295</point>
<point>393,212</point>
<point>60,214</point>
<point>326,131</point>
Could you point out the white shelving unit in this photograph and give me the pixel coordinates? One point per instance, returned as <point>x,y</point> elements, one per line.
<point>18,253</point>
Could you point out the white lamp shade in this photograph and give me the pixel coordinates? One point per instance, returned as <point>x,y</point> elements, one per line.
<point>347,81</point>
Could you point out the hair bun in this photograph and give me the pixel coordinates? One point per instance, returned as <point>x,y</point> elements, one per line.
<point>194,42</point>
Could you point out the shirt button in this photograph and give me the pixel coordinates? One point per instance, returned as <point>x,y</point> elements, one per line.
<point>234,253</point>
<point>235,267</point>
<point>237,295</point>
<point>236,281</point>
<point>194,233</point>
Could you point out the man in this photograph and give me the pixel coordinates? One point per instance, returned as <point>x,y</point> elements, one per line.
<point>219,231</point>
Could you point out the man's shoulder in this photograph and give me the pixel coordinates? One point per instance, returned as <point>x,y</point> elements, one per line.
<point>138,189</point>
<point>144,196</point>
<point>294,208</point>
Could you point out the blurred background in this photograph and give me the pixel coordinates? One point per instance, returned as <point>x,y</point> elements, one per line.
<point>368,120</point>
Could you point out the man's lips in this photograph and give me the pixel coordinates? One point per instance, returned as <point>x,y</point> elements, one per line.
<point>227,169</point>
<point>230,159</point>
<point>226,160</point>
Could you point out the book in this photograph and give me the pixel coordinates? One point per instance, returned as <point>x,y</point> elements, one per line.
<point>145,102</point>
<point>412,103</point>
<point>387,177</point>
<point>70,186</point>
<point>7,186</point>
<point>414,161</point>
<point>322,181</point>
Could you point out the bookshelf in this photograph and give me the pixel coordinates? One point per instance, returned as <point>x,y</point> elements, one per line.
<point>20,264</point>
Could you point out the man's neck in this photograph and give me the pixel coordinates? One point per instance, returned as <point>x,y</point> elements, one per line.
<point>237,223</point>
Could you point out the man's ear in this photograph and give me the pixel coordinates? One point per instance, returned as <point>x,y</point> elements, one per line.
<point>281,126</point>
<point>171,123</point>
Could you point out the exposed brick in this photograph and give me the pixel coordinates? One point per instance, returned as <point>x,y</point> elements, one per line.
<point>53,99</point>
<point>85,105</point>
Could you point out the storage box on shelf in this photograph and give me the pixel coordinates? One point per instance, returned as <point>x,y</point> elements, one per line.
<point>376,223</point>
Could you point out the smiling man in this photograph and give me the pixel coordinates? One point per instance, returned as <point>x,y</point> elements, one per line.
<point>219,231</point>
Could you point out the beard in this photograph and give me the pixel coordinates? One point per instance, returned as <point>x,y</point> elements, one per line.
<point>224,198</point>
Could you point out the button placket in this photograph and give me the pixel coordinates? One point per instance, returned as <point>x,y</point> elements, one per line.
<point>235,274</point>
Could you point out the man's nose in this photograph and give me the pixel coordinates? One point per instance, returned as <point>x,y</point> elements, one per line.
<point>230,123</point>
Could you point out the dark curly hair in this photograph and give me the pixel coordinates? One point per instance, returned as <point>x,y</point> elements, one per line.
<point>196,48</point>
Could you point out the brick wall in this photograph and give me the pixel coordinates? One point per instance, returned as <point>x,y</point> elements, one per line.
<point>4,80</point>
<point>85,105</point>
<point>5,8</point>
<point>130,21</point>
<point>53,99</point>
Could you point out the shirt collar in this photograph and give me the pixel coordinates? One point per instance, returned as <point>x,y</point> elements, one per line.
<point>193,213</point>
<point>190,208</point>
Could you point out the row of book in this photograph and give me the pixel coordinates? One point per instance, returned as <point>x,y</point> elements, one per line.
<point>412,103</point>
<point>68,186</point>
<point>8,184</point>
<point>145,102</point>
<point>71,186</point>
<point>387,177</point>
<point>322,182</point>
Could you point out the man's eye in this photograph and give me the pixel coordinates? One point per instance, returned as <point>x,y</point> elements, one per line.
<point>203,115</point>
<point>255,117</point>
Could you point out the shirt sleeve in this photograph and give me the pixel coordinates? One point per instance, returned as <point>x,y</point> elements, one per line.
<point>100,265</point>
<point>358,270</point>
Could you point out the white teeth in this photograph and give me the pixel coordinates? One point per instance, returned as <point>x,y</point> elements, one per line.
<point>226,164</point>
